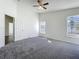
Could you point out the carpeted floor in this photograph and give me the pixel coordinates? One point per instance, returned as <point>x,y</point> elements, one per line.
<point>39,48</point>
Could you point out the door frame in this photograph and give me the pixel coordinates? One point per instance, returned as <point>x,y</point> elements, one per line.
<point>13,25</point>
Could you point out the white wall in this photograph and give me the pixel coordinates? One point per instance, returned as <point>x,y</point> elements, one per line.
<point>56,24</point>
<point>27,21</point>
<point>6,7</point>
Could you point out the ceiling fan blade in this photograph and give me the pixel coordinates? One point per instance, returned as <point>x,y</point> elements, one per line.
<point>39,1</point>
<point>44,7</point>
<point>35,5</point>
<point>46,3</point>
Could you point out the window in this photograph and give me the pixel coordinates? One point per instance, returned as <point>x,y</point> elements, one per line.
<point>42,27</point>
<point>73,26</point>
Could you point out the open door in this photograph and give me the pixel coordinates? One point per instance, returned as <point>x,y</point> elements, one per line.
<point>9,29</point>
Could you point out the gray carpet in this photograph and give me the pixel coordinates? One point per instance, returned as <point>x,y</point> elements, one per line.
<point>39,48</point>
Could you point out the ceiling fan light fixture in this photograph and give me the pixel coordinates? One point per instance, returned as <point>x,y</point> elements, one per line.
<point>40,7</point>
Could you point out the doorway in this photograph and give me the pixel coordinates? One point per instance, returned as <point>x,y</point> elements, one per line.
<point>9,29</point>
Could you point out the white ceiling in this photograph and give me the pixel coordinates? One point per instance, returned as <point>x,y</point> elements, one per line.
<point>57,5</point>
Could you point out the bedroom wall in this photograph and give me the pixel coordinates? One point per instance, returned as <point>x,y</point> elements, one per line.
<point>56,24</point>
<point>27,21</point>
<point>6,7</point>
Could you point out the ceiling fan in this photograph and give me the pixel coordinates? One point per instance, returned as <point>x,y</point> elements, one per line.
<point>41,4</point>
